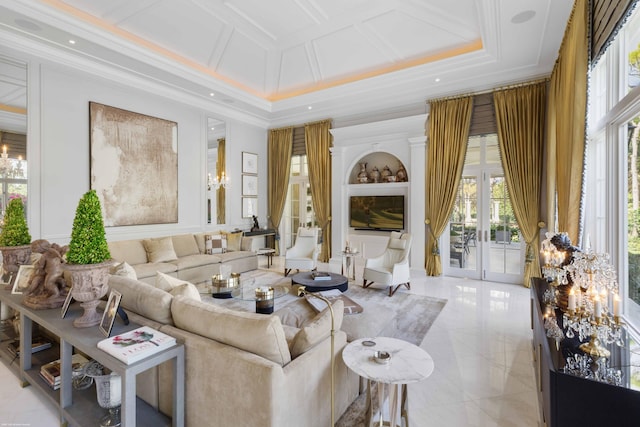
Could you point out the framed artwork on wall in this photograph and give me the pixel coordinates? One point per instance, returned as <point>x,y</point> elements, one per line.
<point>249,185</point>
<point>249,207</point>
<point>249,163</point>
<point>132,156</point>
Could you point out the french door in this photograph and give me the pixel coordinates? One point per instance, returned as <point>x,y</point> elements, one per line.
<point>484,240</point>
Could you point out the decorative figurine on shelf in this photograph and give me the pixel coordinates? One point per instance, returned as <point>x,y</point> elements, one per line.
<point>363,178</point>
<point>374,176</point>
<point>385,174</point>
<point>401,175</point>
<point>47,288</point>
<point>256,226</point>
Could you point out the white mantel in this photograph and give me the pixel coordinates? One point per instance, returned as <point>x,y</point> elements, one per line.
<point>403,138</point>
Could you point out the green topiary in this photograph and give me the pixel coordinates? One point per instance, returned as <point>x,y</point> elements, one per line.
<point>88,242</point>
<point>15,231</point>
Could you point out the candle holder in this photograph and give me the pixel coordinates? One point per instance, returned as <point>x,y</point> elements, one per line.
<point>264,300</point>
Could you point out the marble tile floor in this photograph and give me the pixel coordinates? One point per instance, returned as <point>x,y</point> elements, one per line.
<point>480,343</point>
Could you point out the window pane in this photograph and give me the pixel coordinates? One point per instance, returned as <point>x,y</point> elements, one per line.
<point>632,52</point>
<point>492,150</point>
<point>633,210</point>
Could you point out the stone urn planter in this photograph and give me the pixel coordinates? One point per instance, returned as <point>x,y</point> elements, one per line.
<point>15,256</point>
<point>90,282</point>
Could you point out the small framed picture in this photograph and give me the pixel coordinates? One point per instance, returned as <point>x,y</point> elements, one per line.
<point>6,277</point>
<point>65,306</point>
<point>249,207</point>
<point>249,185</point>
<point>109,315</point>
<point>249,163</point>
<point>23,278</point>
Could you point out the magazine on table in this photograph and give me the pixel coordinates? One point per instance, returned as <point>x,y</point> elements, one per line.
<point>321,275</point>
<point>37,344</point>
<point>137,344</point>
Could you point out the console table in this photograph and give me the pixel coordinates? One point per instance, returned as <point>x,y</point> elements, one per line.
<point>80,408</point>
<point>269,236</point>
<point>569,400</point>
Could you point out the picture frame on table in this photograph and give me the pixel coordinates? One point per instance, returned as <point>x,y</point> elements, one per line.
<point>249,207</point>
<point>249,185</point>
<point>23,278</point>
<point>249,163</point>
<point>110,311</point>
<point>6,278</point>
<point>65,306</point>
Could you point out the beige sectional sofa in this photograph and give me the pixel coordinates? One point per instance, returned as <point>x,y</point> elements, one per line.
<point>242,369</point>
<point>183,256</point>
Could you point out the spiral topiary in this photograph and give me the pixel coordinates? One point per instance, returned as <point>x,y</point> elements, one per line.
<point>88,242</point>
<point>15,231</point>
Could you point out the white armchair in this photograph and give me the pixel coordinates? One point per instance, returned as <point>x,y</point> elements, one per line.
<point>392,267</point>
<point>303,255</point>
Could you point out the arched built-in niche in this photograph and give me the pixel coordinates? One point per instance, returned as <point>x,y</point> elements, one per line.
<point>379,160</point>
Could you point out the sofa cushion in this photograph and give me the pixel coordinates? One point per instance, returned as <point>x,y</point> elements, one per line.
<point>187,289</point>
<point>131,251</point>
<point>197,260</point>
<point>150,269</point>
<point>123,269</point>
<point>143,299</point>
<point>184,245</point>
<point>166,282</point>
<point>255,333</point>
<point>160,249</point>
<point>317,329</point>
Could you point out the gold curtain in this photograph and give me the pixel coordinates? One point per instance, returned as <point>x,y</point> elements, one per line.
<point>520,114</point>
<point>221,167</point>
<point>318,141</point>
<point>279,158</point>
<point>449,122</point>
<point>567,118</point>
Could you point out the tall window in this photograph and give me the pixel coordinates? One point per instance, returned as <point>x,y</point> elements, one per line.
<point>298,207</point>
<point>612,196</point>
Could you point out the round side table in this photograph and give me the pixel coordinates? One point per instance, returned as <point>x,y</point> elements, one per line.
<point>408,364</point>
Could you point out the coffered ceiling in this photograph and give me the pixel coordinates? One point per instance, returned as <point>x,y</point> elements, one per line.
<point>289,60</point>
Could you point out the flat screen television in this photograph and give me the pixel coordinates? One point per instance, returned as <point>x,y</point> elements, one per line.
<point>385,213</point>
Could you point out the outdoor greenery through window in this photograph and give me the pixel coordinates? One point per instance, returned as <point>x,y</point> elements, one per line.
<point>13,184</point>
<point>298,206</point>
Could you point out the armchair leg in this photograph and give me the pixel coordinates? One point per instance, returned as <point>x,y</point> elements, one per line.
<point>393,290</point>
<point>286,271</point>
<point>365,284</point>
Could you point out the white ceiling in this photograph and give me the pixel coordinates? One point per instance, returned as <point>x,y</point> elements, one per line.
<point>275,59</point>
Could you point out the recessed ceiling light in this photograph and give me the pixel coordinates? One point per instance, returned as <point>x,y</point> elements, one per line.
<point>309,107</point>
<point>213,128</point>
<point>523,17</point>
<point>212,94</point>
<point>72,41</point>
<point>437,79</point>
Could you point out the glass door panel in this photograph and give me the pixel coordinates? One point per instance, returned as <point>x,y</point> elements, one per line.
<point>463,227</point>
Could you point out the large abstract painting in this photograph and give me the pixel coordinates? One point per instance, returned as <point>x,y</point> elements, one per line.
<point>134,166</point>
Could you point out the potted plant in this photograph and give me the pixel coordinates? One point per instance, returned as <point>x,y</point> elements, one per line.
<point>88,259</point>
<point>15,240</point>
<point>503,234</point>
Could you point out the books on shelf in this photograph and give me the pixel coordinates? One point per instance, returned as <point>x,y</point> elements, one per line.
<point>50,372</point>
<point>37,344</point>
<point>320,275</point>
<point>137,344</point>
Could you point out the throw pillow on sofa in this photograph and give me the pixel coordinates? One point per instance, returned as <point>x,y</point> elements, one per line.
<point>166,282</point>
<point>317,329</point>
<point>188,290</point>
<point>234,241</point>
<point>160,249</point>
<point>123,269</point>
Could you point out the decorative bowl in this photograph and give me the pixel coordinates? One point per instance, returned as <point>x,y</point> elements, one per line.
<point>382,357</point>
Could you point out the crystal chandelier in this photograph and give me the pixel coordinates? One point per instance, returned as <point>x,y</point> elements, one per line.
<point>213,183</point>
<point>10,167</point>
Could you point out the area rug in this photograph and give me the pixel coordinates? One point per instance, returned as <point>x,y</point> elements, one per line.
<point>404,316</point>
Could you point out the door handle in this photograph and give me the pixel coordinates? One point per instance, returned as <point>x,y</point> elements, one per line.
<point>486,236</point>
